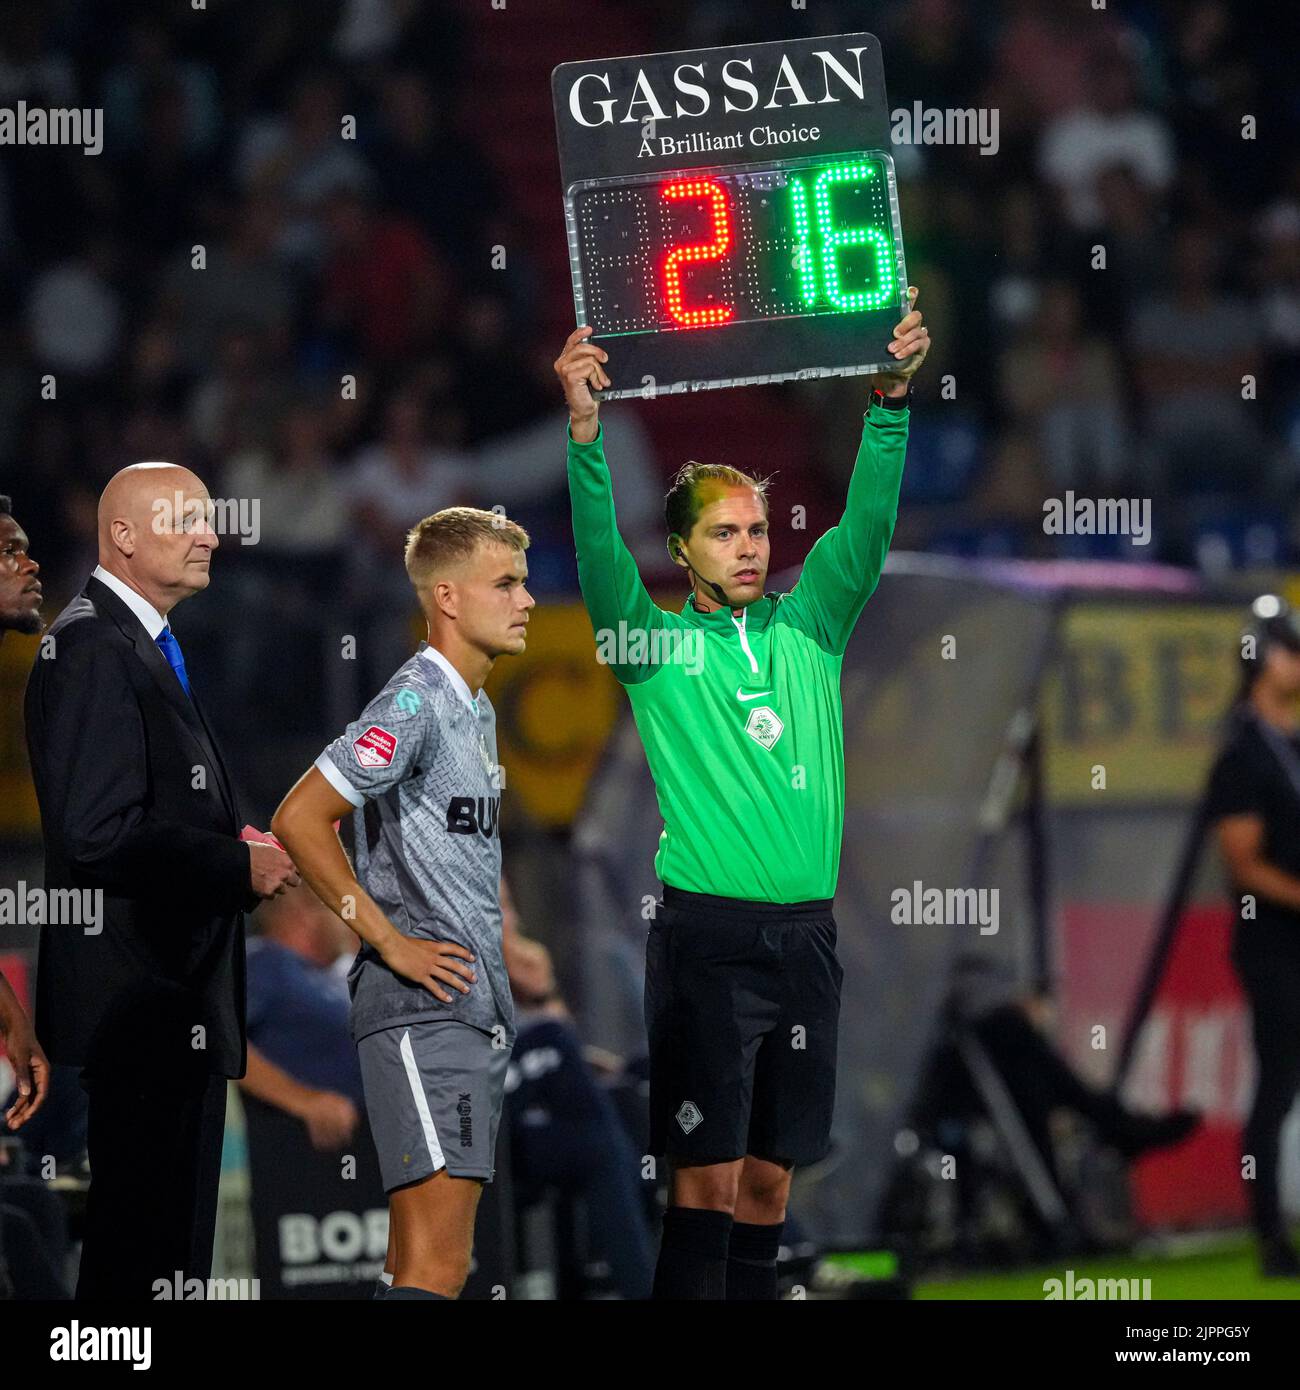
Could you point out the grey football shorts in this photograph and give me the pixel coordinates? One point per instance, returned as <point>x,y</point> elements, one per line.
<point>434,1092</point>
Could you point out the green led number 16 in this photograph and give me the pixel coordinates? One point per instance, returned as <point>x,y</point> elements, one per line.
<point>833,238</point>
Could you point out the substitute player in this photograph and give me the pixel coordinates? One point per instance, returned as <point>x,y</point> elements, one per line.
<point>744,738</point>
<point>431,1008</point>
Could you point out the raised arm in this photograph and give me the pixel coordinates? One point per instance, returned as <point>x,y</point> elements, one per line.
<point>607,572</point>
<point>844,566</point>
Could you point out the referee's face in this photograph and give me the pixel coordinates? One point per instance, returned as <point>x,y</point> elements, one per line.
<point>493,600</point>
<point>729,543</point>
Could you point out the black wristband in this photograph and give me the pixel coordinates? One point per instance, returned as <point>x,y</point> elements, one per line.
<point>892,402</point>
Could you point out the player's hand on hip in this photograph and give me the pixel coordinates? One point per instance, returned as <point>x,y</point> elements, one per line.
<point>428,962</point>
<point>909,345</point>
<point>271,870</point>
<point>580,371</point>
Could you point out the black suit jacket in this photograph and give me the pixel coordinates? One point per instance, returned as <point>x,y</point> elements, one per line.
<point>135,800</point>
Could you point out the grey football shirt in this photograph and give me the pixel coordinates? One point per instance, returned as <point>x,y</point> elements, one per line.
<point>420,766</point>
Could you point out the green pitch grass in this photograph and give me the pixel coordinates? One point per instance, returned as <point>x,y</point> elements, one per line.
<point>1229,1270</point>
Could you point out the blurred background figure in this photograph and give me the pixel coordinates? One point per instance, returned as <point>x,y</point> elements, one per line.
<point>301,1057</point>
<point>1001,1100</point>
<point>576,1131</point>
<point>1254,799</point>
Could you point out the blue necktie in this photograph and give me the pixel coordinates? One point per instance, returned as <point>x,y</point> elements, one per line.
<point>171,649</point>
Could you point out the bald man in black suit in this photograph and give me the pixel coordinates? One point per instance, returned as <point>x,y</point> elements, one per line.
<point>136,802</point>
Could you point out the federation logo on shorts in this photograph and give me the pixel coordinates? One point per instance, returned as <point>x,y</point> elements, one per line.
<point>375,748</point>
<point>688,1116</point>
<point>764,726</point>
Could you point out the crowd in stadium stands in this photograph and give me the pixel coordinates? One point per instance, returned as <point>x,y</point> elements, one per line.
<point>324,257</point>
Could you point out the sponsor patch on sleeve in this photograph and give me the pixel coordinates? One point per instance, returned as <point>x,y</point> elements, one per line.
<point>375,748</point>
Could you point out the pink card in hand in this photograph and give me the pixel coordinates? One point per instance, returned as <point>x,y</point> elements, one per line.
<point>260,837</point>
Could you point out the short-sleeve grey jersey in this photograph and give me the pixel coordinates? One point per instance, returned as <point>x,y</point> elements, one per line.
<point>420,766</point>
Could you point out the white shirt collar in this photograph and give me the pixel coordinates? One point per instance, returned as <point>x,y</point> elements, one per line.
<point>458,681</point>
<point>149,616</point>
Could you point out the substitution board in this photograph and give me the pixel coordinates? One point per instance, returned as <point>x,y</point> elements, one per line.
<point>732,213</point>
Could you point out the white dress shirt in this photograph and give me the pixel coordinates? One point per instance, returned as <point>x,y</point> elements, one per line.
<point>153,620</point>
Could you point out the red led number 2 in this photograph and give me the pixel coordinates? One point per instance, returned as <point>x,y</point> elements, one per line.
<point>703,190</point>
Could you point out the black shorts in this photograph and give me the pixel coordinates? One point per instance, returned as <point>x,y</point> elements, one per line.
<point>742,1004</point>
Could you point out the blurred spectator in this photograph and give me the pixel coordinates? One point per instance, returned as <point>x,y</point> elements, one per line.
<point>1192,349</point>
<point>74,314</point>
<point>1012,491</point>
<point>160,180</point>
<point>301,1057</point>
<point>133,93</point>
<point>33,64</point>
<point>1278,236</point>
<point>291,571</point>
<point>1040,64</point>
<point>300,157</point>
<point>1214,83</point>
<point>430,173</point>
<point>155,373</point>
<point>303,511</point>
<point>409,474</point>
<point>1013,294</point>
<point>565,1131</point>
<point>935,47</point>
<point>239,405</point>
<point>1134,232</point>
<point>240,281</point>
<point>385,291</point>
<point>1064,385</point>
<point>1109,129</point>
<point>490,353</point>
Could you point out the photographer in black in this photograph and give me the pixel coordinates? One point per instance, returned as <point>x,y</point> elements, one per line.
<point>1254,803</point>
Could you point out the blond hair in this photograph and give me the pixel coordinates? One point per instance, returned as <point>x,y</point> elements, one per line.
<point>683,505</point>
<point>451,536</point>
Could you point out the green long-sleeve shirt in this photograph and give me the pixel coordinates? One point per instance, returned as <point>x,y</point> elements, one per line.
<point>739,710</point>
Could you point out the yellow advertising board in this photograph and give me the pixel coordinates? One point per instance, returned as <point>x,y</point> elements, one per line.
<point>556,705</point>
<point>1139,690</point>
